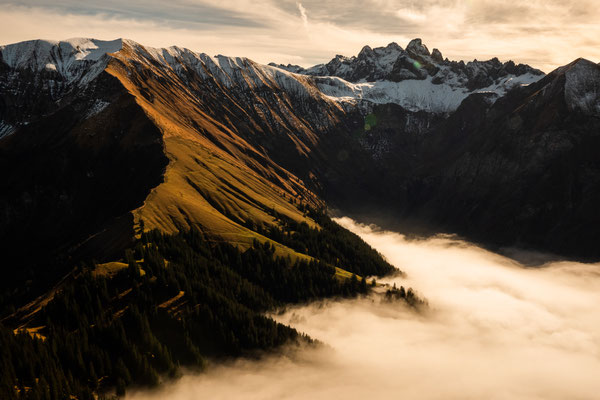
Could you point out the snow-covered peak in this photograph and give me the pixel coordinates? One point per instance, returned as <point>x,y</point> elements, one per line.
<point>411,77</point>
<point>237,73</point>
<point>72,60</point>
<point>392,63</point>
<point>412,94</point>
<point>414,81</point>
<point>37,54</point>
<point>414,77</point>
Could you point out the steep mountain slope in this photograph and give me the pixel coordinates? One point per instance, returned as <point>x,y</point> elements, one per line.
<point>199,180</point>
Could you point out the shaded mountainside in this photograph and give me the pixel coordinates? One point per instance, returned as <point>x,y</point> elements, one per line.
<point>72,173</point>
<point>524,170</point>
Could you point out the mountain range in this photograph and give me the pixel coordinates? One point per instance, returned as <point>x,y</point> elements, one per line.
<point>97,135</point>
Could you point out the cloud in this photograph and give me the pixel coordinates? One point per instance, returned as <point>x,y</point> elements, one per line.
<point>543,33</point>
<point>177,14</point>
<point>303,14</point>
<point>496,330</point>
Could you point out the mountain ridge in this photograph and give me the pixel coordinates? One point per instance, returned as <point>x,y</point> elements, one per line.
<point>413,78</point>
<point>283,131</point>
<point>400,76</point>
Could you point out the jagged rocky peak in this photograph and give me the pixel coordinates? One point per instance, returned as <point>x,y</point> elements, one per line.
<point>414,78</point>
<point>76,60</point>
<point>289,67</point>
<point>395,64</point>
<point>366,52</point>
<point>416,46</point>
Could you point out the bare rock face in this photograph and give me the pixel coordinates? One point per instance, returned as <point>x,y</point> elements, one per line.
<point>417,47</point>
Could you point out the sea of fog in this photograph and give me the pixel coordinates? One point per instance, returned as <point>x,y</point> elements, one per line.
<point>495,329</point>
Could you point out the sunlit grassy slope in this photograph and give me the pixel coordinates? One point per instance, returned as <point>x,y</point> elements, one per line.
<point>201,188</point>
<point>215,179</point>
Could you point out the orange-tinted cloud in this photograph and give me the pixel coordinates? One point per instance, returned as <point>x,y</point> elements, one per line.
<point>543,33</point>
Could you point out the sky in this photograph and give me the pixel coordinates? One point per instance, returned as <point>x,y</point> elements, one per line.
<point>494,329</point>
<point>542,33</point>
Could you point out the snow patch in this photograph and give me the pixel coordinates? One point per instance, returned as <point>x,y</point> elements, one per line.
<point>230,72</point>
<point>414,95</point>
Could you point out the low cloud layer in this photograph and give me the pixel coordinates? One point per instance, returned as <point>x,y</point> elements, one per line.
<point>543,33</point>
<point>496,330</point>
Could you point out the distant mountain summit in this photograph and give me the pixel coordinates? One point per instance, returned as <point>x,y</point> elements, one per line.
<point>395,64</point>
<point>414,77</point>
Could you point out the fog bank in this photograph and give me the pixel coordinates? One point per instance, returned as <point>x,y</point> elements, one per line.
<point>496,330</point>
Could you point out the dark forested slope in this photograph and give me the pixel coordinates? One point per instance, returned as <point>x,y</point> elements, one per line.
<point>175,300</point>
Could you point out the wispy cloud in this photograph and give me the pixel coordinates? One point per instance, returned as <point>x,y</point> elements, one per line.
<point>303,14</point>
<point>180,14</point>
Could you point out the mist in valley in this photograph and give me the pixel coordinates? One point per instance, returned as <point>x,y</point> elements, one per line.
<point>494,329</point>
